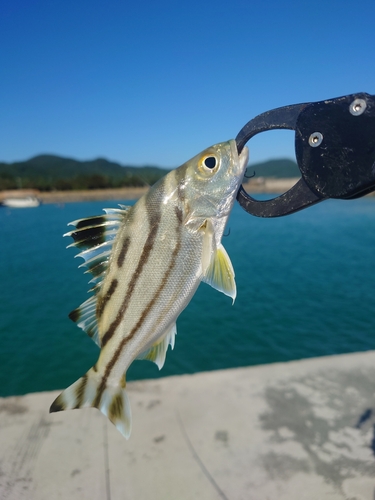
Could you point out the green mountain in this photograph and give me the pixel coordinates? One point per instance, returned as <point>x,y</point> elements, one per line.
<point>280,169</point>
<point>49,172</point>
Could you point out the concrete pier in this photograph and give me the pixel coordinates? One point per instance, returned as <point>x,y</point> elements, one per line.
<point>300,430</point>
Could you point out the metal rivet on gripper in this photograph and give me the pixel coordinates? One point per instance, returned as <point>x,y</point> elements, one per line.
<point>357,107</point>
<point>315,139</point>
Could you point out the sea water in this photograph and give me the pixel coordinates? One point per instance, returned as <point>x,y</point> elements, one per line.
<point>305,287</point>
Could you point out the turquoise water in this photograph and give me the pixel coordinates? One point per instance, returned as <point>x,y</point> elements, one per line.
<point>305,287</point>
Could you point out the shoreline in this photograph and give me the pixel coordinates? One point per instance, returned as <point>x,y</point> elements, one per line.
<point>76,196</point>
<point>261,185</point>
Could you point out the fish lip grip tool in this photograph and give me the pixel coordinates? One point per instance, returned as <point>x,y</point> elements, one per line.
<point>335,152</point>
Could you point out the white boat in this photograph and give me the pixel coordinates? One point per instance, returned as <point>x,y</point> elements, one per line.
<point>24,202</point>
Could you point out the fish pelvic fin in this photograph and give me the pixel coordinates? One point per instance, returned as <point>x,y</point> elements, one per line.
<point>88,391</point>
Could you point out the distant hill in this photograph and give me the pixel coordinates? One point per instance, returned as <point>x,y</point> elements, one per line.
<point>280,169</point>
<point>49,172</point>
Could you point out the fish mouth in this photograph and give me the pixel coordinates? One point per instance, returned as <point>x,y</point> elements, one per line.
<point>243,159</point>
<point>236,174</point>
<point>239,165</point>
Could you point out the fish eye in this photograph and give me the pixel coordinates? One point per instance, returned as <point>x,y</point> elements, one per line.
<point>210,162</point>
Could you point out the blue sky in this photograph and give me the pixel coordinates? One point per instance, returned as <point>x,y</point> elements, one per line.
<point>155,82</point>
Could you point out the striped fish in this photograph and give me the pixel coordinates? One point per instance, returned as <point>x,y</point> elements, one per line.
<point>147,262</point>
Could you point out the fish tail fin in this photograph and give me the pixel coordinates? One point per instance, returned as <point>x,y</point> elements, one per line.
<point>87,391</point>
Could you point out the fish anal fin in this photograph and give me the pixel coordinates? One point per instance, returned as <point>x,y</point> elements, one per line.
<point>158,351</point>
<point>113,401</point>
<point>85,317</point>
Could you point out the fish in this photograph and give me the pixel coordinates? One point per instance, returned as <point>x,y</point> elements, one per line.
<point>147,262</point>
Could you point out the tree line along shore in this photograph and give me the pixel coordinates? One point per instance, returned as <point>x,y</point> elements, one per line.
<point>52,174</point>
<point>261,185</point>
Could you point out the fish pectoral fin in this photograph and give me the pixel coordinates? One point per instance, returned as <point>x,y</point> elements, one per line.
<point>194,223</point>
<point>158,351</point>
<point>209,245</point>
<point>219,272</point>
<point>87,391</point>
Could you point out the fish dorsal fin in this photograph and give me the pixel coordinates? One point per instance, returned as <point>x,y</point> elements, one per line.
<point>93,231</point>
<point>217,267</point>
<point>158,351</point>
<point>94,236</point>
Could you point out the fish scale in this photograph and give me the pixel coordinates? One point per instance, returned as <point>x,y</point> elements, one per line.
<point>158,282</point>
<point>147,261</point>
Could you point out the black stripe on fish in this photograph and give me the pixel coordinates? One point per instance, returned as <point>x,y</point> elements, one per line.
<point>99,262</point>
<point>75,315</point>
<point>154,220</point>
<point>144,314</point>
<point>178,213</point>
<point>98,269</point>
<point>57,405</point>
<point>90,221</point>
<point>103,300</point>
<point>115,410</point>
<point>91,332</point>
<point>157,293</point>
<point>90,236</point>
<point>123,251</point>
<point>100,389</point>
<point>80,391</point>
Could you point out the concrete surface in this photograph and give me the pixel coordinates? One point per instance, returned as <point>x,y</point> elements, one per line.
<point>299,430</point>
